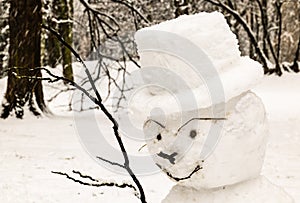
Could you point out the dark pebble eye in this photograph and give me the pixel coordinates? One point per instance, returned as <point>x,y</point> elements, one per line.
<point>193,133</point>
<point>158,137</point>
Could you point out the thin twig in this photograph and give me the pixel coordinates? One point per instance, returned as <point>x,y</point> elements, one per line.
<point>200,119</point>
<point>98,101</point>
<point>125,3</point>
<point>248,30</point>
<point>111,162</point>
<point>98,184</point>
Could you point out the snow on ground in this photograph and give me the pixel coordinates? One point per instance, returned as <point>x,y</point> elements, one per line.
<point>31,148</point>
<point>282,164</point>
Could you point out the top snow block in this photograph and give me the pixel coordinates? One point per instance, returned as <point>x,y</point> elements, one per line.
<point>195,57</point>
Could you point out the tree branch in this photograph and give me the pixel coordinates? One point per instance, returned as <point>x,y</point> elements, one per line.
<point>248,30</point>
<point>98,101</point>
<point>200,119</point>
<point>97,184</point>
<point>111,162</point>
<point>264,20</point>
<point>127,4</point>
<point>277,59</point>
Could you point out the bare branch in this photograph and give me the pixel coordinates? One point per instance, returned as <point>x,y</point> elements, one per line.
<point>242,21</point>
<point>201,119</point>
<point>98,101</point>
<point>97,184</point>
<point>111,162</point>
<point>127,4</point>
<point>264,20</point>
<point>278,6</point>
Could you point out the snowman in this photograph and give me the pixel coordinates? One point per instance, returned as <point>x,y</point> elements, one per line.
<point>205,128</point>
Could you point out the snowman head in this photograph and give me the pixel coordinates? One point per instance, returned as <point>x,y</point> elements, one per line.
<point>178,146</point>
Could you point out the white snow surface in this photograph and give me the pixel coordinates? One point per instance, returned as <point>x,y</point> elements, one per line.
<point>31,148</point>
<point>256,190</point>
<point>209,31</point>
<point>242,143</point>
<point>203,53</point>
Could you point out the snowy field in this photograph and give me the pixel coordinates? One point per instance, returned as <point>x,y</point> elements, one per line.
<point>31,148</point>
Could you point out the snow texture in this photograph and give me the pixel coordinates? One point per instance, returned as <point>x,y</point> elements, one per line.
<point>205,38</point>
<point>242,143</point>
<point>252,191</point>
<point>31,148</point>
<point>177,140</point>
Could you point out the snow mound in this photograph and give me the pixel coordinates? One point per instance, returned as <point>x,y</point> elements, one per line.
<point>258,190</point>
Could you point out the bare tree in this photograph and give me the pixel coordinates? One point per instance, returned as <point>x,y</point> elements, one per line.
<point>269,34</point>
<point>65,29</point>
<point>24,55</point>
<point>60,17</point>
<point>4,38</point>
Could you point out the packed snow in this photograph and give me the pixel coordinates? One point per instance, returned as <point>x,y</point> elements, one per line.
<point>256,190</point>
<point>242,144</point>
<point>202,54</point>
<point>32,148</point>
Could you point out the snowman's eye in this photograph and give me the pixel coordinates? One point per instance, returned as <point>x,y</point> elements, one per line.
<point>158,137</point>
<point>193,134</point>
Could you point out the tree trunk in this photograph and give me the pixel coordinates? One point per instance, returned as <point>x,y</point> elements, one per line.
<point>181,7</point>
<point>52,44</point>
<point>3,36</point>
<point>61,20</point>
<point>65,29</point>
<point>24,55</point>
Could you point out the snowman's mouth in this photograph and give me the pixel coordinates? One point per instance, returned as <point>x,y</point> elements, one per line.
<point>196,169</point>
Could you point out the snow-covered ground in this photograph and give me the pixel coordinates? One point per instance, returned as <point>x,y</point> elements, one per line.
<point>282,163</point>
<point>31,148</point>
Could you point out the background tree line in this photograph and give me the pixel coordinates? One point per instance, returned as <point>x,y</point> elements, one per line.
<point>268,31</point>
